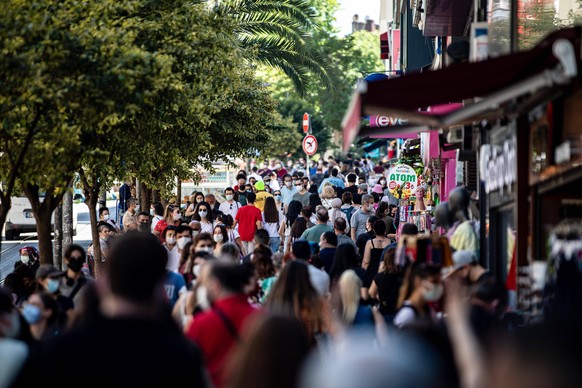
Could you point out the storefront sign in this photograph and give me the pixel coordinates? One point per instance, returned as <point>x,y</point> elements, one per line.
<point>498,166</point>
<point>402,181</point>
<point>386,121</point>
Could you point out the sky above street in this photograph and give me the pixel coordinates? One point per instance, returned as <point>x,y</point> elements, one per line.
<point>348,8</point>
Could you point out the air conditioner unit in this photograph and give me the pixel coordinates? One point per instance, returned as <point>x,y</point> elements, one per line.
<point>455,134</point>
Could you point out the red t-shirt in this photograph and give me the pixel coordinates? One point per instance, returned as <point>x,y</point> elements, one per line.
<point>213,337</point>
<point>160,226</point>
<point>247,217</point>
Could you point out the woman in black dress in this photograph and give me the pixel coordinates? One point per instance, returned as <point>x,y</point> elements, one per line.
<point>386,285</point>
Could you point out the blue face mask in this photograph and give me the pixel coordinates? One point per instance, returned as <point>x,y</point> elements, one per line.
<point>53,285</point>
<point>277,197</point>
<point>31,314</point>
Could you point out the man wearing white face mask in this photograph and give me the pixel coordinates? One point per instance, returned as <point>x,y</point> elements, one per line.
<point>230,206</point>
<point>183,237</point>
<point>169,234</point>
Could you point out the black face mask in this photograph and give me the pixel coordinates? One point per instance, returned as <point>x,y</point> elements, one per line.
<point>143,227</point>
<point>75,265</point>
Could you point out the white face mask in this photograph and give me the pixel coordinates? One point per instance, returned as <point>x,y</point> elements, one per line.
<point>195,233</point>
<point>432,292</point>
<point>196,270</point>
<point>229,197</point>
<point>171,240</point>
<point>136,208</point>
<point>25,259</point>
<point>203,214</point>
<point>218,238</point>
<point>182,241</point>
<point>202,298</point>
<point>106,217</point>
<point>288,184</point>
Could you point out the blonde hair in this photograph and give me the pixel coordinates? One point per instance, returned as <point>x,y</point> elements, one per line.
<point>349,287</point>
<point>328,192</point>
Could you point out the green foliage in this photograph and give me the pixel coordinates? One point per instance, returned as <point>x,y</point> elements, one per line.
<point>348,59</point>
<point>278,34</point>
<point>535,23</point>
<point>111,88</point>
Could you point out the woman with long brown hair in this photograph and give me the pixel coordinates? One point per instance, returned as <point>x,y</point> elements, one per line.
<point>271,223</point>
<point>272,354</point>
<point>422,285</point>
<point>293,295</point>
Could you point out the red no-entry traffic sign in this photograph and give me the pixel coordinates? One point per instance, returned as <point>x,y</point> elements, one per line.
<point>310,145</point>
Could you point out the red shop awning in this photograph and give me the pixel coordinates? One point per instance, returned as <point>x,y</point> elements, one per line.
<point>492,83</point>
<point>446,17</point>
<point>495,81</point>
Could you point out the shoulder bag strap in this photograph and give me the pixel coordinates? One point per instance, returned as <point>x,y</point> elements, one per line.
<point>227,323</point>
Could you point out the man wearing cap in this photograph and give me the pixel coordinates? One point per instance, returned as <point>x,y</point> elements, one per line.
<point>261,195</point>
<point>467,268</point>
<point>49,278</point>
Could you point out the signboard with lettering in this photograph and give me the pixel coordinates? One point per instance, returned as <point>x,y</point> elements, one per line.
<point>386,121</point>
<point>402,181</point>
<point>498,166</point>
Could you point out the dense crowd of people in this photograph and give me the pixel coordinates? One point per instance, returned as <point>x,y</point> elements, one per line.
<point>288,278</point>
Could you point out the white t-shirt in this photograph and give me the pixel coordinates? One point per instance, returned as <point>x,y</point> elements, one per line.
<point>207,227</point>
<point>406,316</point>
<point>319,280</point>
<point>230,208</point>
<point>233,235</point>
<point>271,227</point>
<point>173,258</point>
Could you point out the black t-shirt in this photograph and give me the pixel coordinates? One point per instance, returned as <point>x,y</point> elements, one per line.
<point>117,352</point>
<point>388,289</point>
<point>362,240</point>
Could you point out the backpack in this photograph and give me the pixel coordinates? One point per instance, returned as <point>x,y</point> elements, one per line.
<point>348,212</point>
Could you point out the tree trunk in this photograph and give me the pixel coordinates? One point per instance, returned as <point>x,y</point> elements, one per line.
<point>156,196</point>
<point>91,191</point>
<point>179,191</point>
<point>145,199</point>
<point>58,236</point>
<point>5,205</point>
<point>43,230</point>
<point>91,202</point>
<point>42,214</point>
<point>67,219</point>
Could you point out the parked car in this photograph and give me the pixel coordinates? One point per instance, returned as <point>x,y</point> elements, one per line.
<point>20,219</point>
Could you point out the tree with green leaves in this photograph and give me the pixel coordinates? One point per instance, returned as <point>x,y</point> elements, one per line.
<point>68,68</point>
<point>277,33</point>
<point>348,59</point>
<point>209,107</point>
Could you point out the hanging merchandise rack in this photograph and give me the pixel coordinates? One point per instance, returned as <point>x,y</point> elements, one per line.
<point>430,249</point>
